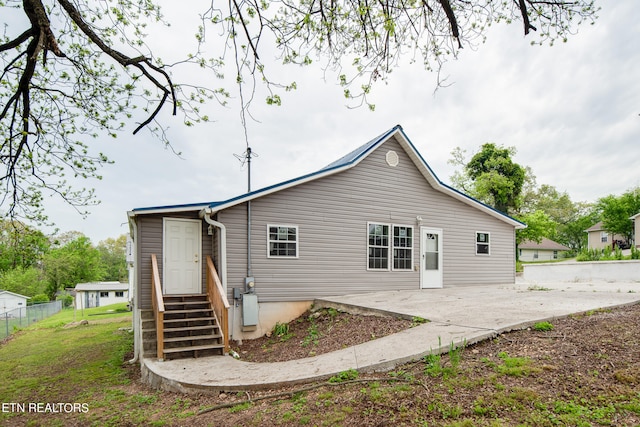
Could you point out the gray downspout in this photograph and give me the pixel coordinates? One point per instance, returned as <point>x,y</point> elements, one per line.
<point>249,269</point>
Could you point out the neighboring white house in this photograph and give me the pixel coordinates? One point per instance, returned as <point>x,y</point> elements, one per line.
<point>546,250</point>
<point>10,301</point>
<point>99,294</point>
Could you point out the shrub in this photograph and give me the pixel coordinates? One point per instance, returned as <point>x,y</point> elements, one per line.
<point>40,298</point>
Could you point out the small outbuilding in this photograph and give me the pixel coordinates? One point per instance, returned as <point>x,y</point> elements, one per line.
<point>99,294</point>
<point>546,250</point>
<point>10,301</point>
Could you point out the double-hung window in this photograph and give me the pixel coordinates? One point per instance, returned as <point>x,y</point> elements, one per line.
<point>282,241</point>
<point>482,243</point>
<point>402,247</point>
<point>386,241</point>
<point>378,246</point>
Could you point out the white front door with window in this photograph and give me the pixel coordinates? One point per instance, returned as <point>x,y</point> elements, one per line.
<point>431,257</point>
<point>182,267</point>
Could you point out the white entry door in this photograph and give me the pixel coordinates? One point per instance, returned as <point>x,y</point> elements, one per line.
<point>431,257</point>
<point>182,265</point>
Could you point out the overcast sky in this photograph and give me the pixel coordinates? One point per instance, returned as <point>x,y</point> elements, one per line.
<point>571,111</point>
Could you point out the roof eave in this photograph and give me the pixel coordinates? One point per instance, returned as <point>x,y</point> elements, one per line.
<point>322,173</point>
<point>435,182</point>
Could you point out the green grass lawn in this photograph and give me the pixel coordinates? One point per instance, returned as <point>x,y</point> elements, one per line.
<point>49,362</point>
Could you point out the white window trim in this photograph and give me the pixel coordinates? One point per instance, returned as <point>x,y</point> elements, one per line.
<point>392,257</point>
<point>390,247</point>
<point>476,243</point>
<point>297,242</point>
<point>389,254</point>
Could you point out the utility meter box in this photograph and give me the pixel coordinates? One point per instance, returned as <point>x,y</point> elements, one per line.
<point>249,312</point>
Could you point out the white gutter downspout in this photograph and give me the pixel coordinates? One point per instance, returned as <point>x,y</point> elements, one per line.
<point>206,215</point>
<point>133,232</point>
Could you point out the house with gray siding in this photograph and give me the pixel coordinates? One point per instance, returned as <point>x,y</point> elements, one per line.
<point>377,219</point>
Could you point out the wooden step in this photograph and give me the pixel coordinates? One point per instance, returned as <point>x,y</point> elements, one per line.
<point>191,328</point>
<point>193,348</point>
<point>193,338</point>
<point>183,297</point>
<point>184,303</point>
<point>190,319</point>
<point>188,311</point>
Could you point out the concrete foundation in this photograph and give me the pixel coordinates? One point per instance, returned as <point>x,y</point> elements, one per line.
<point>269,313</point>
<point>597,271</point>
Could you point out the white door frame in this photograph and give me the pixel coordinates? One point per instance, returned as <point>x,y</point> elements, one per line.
<point>187,255</point>
<point>431,278</point>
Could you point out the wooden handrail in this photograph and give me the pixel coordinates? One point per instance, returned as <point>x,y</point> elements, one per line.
<point>158,305</point>
<point>219,302</point>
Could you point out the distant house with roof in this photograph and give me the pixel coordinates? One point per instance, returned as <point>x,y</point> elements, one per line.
<point>377,219</point>
<point>545,250</point>
<point>599,238</point>
<point>10,301</point>
<point>99,294</point>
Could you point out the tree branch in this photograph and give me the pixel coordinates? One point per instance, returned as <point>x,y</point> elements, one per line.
<point>124,60</point>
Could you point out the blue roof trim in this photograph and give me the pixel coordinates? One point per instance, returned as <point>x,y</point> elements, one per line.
<point>181,206</point>
<point>360,151</point>
<point>455,190</point>
<point>344,161</point>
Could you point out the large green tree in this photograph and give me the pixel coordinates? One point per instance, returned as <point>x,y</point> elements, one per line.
<point>21,246</point>
<point>495,178</point>
<point>615,212</point>
<point>113,256</point>
<point>73,70</point>
<point>76,262</point>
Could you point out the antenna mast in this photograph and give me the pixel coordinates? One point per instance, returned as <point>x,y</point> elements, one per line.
<point>246,158</point>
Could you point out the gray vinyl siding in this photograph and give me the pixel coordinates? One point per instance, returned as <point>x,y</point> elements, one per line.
<point>332,214</point>
<point>149,241</point>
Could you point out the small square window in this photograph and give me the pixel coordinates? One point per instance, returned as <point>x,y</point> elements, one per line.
<point>119,294</point>
<point>282,241</point>
<point>104,294</point>
<point>482,243</point>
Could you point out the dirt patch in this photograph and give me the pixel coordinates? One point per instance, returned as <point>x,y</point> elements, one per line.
<point>316,333</point>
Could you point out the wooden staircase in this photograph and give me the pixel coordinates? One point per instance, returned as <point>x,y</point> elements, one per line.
<point>190,327</point>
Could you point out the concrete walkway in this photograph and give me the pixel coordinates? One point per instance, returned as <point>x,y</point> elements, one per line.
<point>457,315</point>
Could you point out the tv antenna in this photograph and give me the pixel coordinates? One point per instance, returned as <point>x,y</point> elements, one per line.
<point>245,158</point>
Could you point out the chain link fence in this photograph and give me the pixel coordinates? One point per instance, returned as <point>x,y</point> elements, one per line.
<point>25,316</point>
